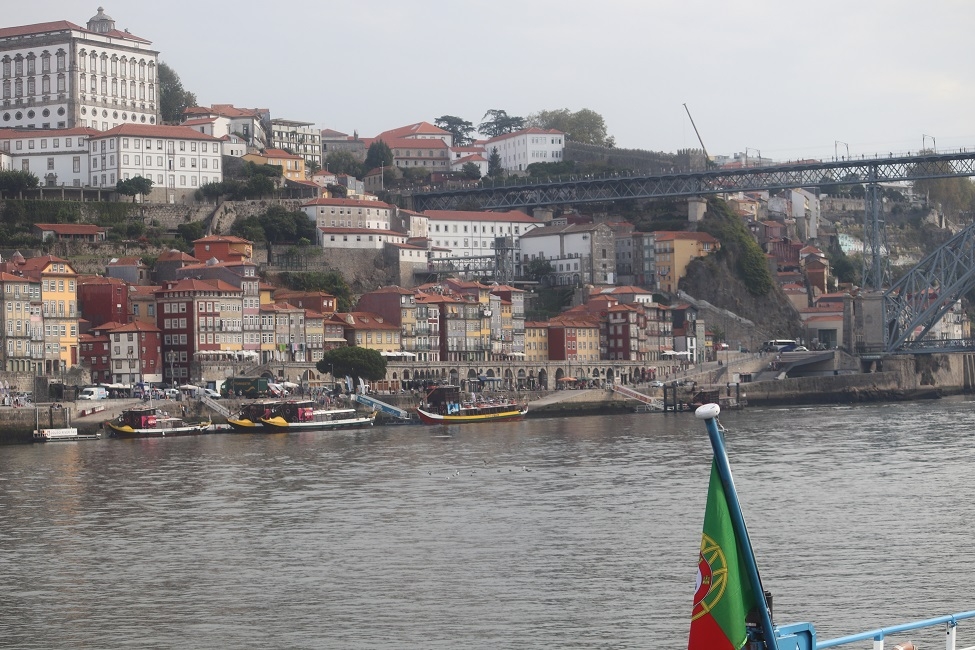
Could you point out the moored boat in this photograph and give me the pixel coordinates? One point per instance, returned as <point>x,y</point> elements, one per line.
<point>151,422</point>
<point>66,434</point>
<point>302,415</point>
<point>248,419</point>
<point>444,405</point>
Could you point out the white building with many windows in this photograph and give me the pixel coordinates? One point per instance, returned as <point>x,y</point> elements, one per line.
<point>58,157</point>
<point>472,234</point>
<point>522,148</point>
<point>349,213</point>
<point>177,159</point>
<point>61,75</point>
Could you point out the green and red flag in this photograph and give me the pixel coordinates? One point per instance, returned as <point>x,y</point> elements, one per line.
<point>723,596</point>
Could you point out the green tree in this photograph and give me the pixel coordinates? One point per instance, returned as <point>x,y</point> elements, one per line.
<point>134,186</point>
<point>378,155</point>
<point>495,170</point>
<point>249,228</point>
<point>537,269</point>
<point>332,282</point>
<point>173,98</point>
<point>585,126</point>
<point>259,186</point>
<point>14,181</point>
<point>461,130</point>
<point>353,361</point>
<point>471,171</point>
<point>416,175</point>
<point>279,225</point>
<point>312,167</point>
<point>343,162</point>
<point>497,122</point>
<point>191,231</point>
<point>212,191</point>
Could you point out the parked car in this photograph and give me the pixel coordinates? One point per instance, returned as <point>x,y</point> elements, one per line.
<point>656,384</point>
<point>171,393</point>
<point>212,394</point>
<point>800,348</point>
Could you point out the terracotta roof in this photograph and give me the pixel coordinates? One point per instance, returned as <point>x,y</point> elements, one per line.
<point>155,131</point>
<point>420,128</point>
<point>198,285</point>
<point>280,153</point>
<point>70,228</point>
<point>408,143</point>
<point>125,261</point>
<point>222,238</point>
<point>366,320</point>
<point>199,121</point>
<point>347,203</point>
<point>61,26</point>
<point>135,326</point>
<point>332,133</point>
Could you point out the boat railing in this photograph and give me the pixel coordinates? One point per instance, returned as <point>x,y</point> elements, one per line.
<point>877,636</point>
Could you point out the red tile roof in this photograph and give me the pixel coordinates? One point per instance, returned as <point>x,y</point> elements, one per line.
<point>70,228</point>
<point>348,203</point>
<point>420,128</point>
<point>155,131</point>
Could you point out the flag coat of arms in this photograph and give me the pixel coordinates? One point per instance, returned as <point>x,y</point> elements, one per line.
<point>723,596</point>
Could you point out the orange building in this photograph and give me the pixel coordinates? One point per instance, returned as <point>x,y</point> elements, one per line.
<point>226,248</point>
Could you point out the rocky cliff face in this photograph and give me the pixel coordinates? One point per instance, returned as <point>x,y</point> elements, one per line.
<point>716,282</point>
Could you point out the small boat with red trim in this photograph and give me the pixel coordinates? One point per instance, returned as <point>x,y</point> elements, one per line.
<point>152,422</point>
<point>445,405</point>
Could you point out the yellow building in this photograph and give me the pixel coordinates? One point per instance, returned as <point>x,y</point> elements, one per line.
<point>59,309</point>
<point>292,166</point>
<point>314,335</point>
<point>372,331</point>
<point>673,251</point>
<point>536,341</point>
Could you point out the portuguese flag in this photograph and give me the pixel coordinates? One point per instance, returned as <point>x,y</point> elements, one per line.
<point>724,596</point>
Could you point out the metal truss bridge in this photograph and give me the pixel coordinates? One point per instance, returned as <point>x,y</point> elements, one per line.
<point>523,193</point>
<point>927,293</point>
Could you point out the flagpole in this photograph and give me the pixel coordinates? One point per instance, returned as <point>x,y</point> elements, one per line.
<point>709,413</point>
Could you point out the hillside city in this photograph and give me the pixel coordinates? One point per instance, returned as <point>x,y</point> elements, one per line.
<point>172,252</point>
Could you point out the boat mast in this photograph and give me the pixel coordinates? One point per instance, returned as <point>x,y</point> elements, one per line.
<point>709,413</point>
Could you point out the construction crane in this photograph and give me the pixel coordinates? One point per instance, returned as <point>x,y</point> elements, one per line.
<point>707,158</point>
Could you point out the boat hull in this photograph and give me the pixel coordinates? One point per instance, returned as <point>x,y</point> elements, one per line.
<point>128,432</point>
<point>279,425</point>
<point>244,425</point>
<point>504,416</point>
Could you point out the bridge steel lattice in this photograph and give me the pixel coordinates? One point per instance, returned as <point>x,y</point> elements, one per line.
<point>522,193</point>
<point>916,302</point>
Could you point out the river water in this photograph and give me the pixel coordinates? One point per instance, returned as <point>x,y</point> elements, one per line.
<point>551,533</point>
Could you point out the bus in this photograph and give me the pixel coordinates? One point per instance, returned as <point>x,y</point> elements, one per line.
<point>779,345</point>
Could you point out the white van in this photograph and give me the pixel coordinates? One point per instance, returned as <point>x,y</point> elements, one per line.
<point>93,392</point>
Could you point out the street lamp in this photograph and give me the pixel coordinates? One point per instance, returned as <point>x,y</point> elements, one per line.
<point>836,150</point>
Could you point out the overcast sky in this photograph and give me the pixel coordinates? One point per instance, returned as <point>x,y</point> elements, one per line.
<point>787,79</point>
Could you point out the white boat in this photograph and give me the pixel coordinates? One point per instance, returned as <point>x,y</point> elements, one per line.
<point>65,434</point>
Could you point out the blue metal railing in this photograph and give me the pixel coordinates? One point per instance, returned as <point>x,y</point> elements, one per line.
<point>879,634</point>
